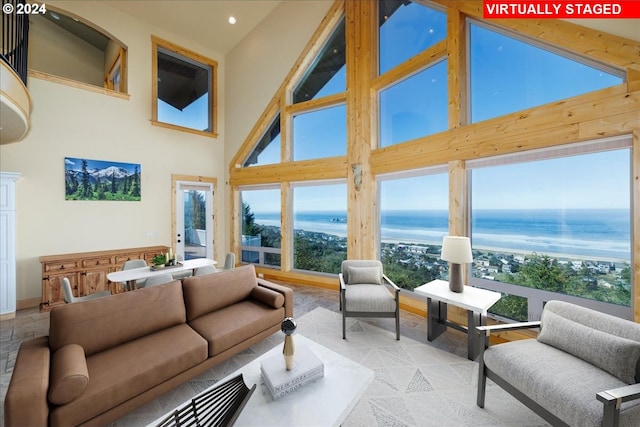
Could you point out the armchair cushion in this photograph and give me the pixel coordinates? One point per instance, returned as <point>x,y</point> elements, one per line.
<point>364,275</point>
<point>69,374</point>
<point>616,355</point>
<point>369,298</point>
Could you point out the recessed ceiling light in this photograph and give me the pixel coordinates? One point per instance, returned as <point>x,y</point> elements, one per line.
<point>232,20</point>
<point>55,16</point>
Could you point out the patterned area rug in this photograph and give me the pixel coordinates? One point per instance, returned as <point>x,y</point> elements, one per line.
<point>414,385</point>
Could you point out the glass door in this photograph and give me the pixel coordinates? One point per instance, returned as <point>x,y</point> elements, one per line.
<point>194,220</point>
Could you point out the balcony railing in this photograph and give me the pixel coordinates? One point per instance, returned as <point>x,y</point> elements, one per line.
<point>15,37</point>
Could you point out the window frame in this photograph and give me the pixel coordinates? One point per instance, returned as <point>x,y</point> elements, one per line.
<point>118,68</point>
<point>158,43</point>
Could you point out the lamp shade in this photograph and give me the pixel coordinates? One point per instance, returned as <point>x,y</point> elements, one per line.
<point>456,249</point>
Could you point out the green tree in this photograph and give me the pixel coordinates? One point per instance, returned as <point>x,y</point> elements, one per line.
<point>541,272</point>
<point>249,226</point>
<point>135,187</point>
<point>100,189</point>
<point>113,182</point>
<point>85,191</point>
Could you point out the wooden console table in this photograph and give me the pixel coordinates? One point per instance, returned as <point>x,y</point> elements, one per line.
<point>87,271</point>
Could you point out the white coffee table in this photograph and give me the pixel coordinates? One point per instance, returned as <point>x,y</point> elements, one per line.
<point>475,300</point>
<point>324,402</point>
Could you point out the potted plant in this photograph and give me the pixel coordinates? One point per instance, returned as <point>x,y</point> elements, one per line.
<point>159,260</point>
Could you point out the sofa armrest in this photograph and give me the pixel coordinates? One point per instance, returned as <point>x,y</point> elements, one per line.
<point>286,292</point>
<point>613,399</point>
<point>26,401</point>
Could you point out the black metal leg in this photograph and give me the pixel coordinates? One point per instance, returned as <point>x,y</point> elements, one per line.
<point>473,320</point>
<point>436,317</point>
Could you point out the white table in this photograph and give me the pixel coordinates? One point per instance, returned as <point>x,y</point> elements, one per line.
<point>475,300</point>
<point>324,402</point>
<point>130,276</point>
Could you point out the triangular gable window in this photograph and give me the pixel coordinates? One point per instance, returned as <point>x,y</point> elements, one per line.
<point>328,73</point>
<point>406,29</point>
<point>267,150</point>
<point>509,75</point>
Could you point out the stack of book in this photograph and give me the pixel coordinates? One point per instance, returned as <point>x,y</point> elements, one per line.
<point>280,382</point>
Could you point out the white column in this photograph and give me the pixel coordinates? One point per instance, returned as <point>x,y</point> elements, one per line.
<point>8,243</point>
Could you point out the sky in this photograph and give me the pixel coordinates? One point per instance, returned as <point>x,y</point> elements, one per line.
<point>506,75</point>
<point>75,164</point>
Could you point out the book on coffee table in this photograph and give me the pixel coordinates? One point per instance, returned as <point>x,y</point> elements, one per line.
<point>280,382</point>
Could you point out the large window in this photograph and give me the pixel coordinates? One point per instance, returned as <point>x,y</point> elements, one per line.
<point>267,150</point>
<point>414,217</point>
<point>320,227</point>
<point>406,29</point>
<point>509,75</point>
<point>555,223</point>
<point>261,226</point>
<point>328,73</point>
<point>414,107</point>
<point>184,89</point>
<point>320,133</point>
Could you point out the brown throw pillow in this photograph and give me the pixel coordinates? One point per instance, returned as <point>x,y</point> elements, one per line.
<point>268,297</point>
<point>69,374</point>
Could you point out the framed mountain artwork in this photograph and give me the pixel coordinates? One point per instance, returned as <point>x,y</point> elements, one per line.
<point>101,180</point>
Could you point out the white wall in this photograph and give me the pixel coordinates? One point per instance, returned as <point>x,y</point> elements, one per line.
<point>71,122</point>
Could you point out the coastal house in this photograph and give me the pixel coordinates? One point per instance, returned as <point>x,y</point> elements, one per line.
<point>283,65</point>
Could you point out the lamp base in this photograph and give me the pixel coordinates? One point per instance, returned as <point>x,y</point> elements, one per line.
<point>455,278</point>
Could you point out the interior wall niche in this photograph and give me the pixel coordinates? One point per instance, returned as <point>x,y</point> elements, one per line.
<point>67,46</point>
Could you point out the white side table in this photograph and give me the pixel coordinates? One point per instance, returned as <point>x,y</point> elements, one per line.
<point>475,300</point>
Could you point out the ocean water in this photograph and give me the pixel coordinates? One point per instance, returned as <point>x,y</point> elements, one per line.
<point>604,233</point>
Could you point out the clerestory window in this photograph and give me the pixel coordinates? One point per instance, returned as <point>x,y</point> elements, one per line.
<point>328,73</point>
<point>406,29</point>
<point>508,74</point>
<point>184,89</point>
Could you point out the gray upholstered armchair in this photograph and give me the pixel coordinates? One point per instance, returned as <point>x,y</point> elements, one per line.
<point>364,293</point>
<point>583,369</point>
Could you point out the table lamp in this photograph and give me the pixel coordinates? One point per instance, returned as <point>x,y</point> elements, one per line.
<point>456,250</point>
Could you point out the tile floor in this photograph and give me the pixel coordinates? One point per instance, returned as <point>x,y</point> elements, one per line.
<point>30,323</point>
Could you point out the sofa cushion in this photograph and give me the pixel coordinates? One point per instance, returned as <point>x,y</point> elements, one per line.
<point>364,275</point>
<point>104,323</point>
<point>616,355</point>
<point>561,383</point>
<point>204,294</point>
<point>123,372</point>
<point>267,296</point>
<point>236,323</point>
<point>69,374</point>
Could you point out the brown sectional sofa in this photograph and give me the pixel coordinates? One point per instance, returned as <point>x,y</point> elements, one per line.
<point>105,357</point>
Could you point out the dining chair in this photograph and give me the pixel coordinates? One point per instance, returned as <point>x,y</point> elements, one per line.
<point>135,263</point>
<point>67,293</point>
<point>229,261</point>
<point>182,274</point>
<point>159,279</point>
<point>207,269</point>
<point>364,292</point>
